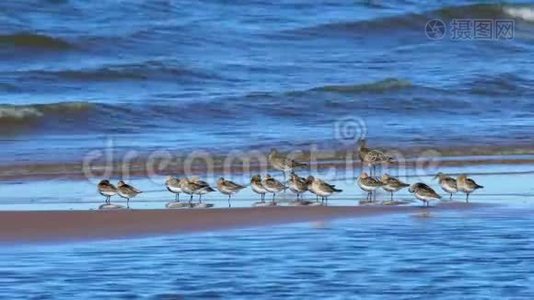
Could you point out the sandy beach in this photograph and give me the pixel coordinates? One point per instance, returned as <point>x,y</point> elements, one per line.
<point>39,226</point>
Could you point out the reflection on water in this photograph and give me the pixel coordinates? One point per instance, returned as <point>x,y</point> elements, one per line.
<point>447,255</point>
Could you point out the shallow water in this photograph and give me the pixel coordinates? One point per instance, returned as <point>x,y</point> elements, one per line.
<point>480,254</point>
<point>223,75</point>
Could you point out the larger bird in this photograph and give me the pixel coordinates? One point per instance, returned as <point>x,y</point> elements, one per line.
<point>467,185</point>
<point>371,157</point>
<point>282,163</point>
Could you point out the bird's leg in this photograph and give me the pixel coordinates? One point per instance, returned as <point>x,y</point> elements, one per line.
<point>391,196</point>
<point>316,198</point>
<point>191,198</point>
<point>229,204</point>
<point>467,198</point>
<point>450,198</point>
<point>176,197</point>
<point>127,202</point>
<point>200,198</point>
<point>274,194</point>
<point>263,197</point>
<point>326,201</point>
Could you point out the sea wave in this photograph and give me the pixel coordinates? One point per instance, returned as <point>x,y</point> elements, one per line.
<point>10,113</point>
<point>134,71</point>
<point>525,13</point>
<point>377,86</point>
<point>417,21</point>
<point>34,41</point>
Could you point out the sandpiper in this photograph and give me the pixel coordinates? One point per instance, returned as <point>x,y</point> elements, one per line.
<point>200,187</point>
<point>284,164</point>
<point>371,157</point>
<point>467,185</point>
<point>257,187</point>
<point>424,193</point>
<point>392,184</point>
<point>322,188</point>
<point>228,187</point>
<point>127,191</point>
<point>173,186</point>
<point>188,187</point>
<point>297,185</point>
<point>368,184</point>
<point>309,183</point>
<point>447,183</point>
<point>272,185</point>
<point>106,189</point>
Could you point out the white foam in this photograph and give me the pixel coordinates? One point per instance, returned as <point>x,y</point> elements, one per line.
<point>524,13</point>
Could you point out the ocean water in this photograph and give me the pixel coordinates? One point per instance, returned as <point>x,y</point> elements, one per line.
<point>223,75</point>
<point>476,254</point>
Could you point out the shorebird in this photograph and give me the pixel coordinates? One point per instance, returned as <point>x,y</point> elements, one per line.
<point>309,183</point>
<point>200,187</point>
<point>322,189</point>
<point>193,186</point>
<point>173,186</point>
<point>424,193</point>
<point>371,157</point>
<point>284,164</point>
<point>257,187</point>
<point>228,187</point>
<point>392,184</point>
<point>272,185</point>
<point>467,185</point>
<point>127,191</point>
<point>368,184</point>
<point>447,183</point>
<point>297,185</point>
<point>106,189</point>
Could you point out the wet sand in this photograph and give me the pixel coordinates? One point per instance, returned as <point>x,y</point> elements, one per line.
<point>48,226</point>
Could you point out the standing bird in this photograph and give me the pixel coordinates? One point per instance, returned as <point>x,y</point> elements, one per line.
<point>368,184</point>
<point>371,157</point>
<point>257,187</point>
<point>106,189</point>
<point>297,185</point>
<point>309,183</point>
<point>284,164</point>
<point>188,187</point>
<point>322,188</point>
<point>424,193</point>
<point>127,191</point>
<point>272,185</point>
<point>467,185</point>
<point>447,183</point>
<point>200,187</point>
<point>173,186</point>
<point>392,184</point>
<point>228,187</point>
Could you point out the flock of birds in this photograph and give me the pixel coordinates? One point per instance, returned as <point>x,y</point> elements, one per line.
<point>299,185</point>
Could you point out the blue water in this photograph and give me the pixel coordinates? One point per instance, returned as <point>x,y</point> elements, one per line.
<point>249,75</point>
<point>480,254</point>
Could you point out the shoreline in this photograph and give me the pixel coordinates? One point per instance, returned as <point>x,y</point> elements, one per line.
<point>143,166</point>
<point>65,226</point>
